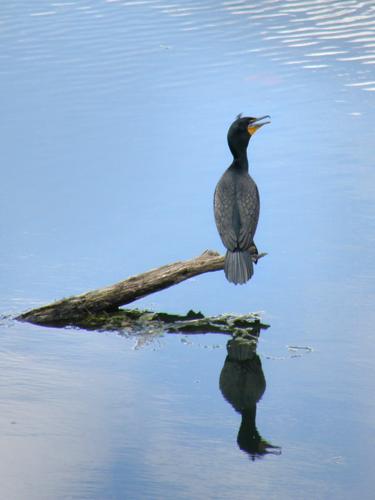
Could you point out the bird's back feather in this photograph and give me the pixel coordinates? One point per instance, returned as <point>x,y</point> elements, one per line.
<point>236,206</point>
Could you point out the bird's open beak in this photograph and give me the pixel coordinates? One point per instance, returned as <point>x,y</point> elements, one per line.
<point>255,124</point>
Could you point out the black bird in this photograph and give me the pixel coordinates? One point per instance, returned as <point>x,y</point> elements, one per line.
<point>236,203</point>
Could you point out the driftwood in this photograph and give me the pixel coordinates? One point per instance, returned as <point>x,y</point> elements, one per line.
<point>74,309</point>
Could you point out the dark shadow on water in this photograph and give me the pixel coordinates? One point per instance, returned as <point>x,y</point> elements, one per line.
<point>242,383</point>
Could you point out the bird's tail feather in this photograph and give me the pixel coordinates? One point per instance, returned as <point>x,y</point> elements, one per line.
<point>238,266</point>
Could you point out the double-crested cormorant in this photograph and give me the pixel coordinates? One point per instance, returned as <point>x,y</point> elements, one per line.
<point>236,203</point>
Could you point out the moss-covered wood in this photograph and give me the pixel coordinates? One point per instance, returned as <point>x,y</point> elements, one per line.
<point>142,321</point>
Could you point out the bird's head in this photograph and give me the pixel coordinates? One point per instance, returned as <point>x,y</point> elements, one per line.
<point>241,130</point>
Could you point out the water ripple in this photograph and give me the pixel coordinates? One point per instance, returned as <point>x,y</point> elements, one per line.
<point>351,26</point>
<point>128,37</point>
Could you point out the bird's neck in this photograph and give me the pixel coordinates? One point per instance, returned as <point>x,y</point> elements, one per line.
<point>240,161</point>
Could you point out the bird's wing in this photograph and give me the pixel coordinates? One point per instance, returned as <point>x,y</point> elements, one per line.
<point>248,206</point>
<point>223,208</point>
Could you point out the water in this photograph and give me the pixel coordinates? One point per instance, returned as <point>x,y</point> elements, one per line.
<point>114,120</point>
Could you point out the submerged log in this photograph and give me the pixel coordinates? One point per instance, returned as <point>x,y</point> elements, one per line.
<point>144,323</point>
<point>108,299</point>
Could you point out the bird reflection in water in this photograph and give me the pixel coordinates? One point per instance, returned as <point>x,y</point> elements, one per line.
<point>242,384</point>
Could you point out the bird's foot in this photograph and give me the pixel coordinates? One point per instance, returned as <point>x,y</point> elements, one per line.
<point>254,253</point>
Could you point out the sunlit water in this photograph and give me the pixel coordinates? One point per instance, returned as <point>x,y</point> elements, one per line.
<point>114,119</point>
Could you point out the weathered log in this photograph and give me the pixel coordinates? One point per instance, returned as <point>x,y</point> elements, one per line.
<point>73,309</point>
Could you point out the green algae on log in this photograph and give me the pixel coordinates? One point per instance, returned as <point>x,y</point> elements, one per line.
<point>79,308</point>
<point>136,321</point>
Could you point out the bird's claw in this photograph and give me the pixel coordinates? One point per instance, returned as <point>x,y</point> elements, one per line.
<point>254,253</point>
